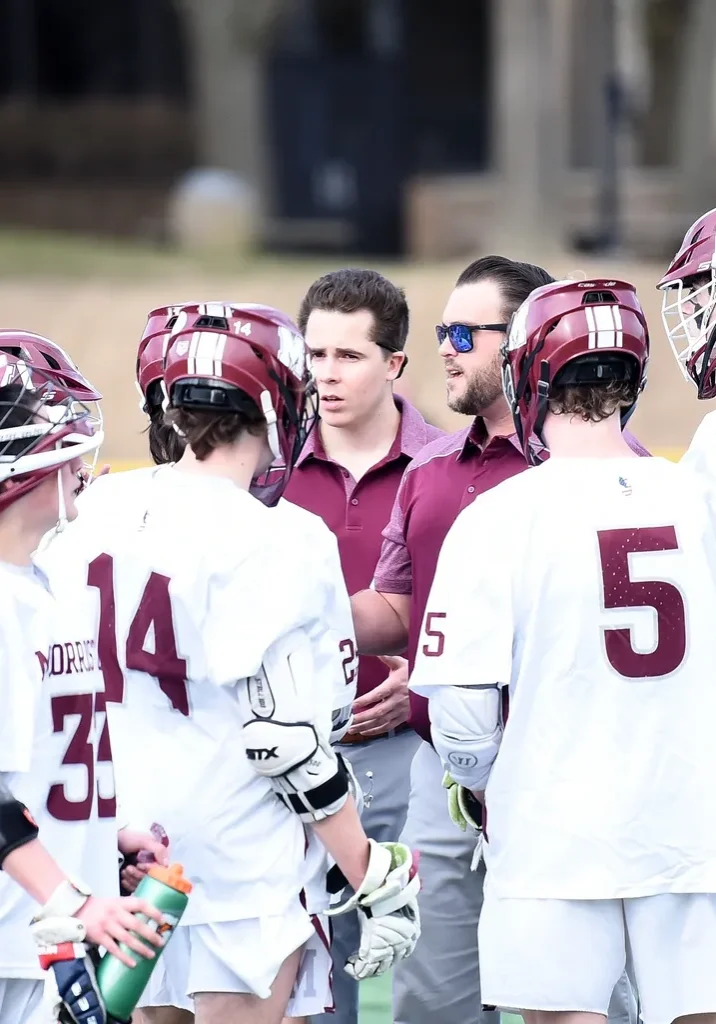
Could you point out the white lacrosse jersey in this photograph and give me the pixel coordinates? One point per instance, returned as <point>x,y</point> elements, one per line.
<point>337,615</point>
<point>700,456</point>
<point>54,745</point>
<point>64,557</point>
<point>339,619</point>
<point>588,588</point>
<point>202,583</point>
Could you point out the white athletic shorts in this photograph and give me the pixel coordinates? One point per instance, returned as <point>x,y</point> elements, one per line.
<point>569,954</point>
<point>244,956</point>
<point>21,1002</point>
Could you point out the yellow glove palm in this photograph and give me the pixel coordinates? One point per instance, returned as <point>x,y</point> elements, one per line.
<point>465,810</point>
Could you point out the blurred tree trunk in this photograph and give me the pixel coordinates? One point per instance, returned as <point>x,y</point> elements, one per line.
<point>664,26</point>
<point>635,73</point>
<point>531,117</point>
<point>228,40</point>
<point>696,111</point>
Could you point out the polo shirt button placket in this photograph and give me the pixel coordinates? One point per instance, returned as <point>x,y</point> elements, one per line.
<point>352,517</point>
<point>468,496</point>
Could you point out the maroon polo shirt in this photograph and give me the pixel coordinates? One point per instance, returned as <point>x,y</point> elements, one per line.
<point>358,511</point>
<point>438,484</point>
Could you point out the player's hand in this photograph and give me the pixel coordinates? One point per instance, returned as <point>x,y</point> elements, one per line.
<point>140,850</point>
<point>387,909</point>
<point>387,706</point>
<point>154,842</point>
<point>464,808</point>
<point>111,921</point>
<point>130,875</point>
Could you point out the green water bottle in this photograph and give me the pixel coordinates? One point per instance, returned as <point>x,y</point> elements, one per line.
<point>121,986</point>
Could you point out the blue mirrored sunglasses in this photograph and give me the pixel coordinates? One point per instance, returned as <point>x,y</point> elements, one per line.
<point>460,335</point>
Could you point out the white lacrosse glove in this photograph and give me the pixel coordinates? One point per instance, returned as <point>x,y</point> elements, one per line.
<point>387,907</point>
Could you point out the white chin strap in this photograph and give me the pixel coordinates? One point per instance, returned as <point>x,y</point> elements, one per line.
<point>166,407</point>
<point>61,523</point>
<point>76,451</point>
<point>61,504</point>
<point>271,422</point>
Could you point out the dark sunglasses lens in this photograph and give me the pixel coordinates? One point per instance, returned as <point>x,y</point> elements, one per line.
<point>460,337</point>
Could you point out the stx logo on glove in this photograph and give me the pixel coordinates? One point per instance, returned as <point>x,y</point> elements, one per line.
<point>261,753</point>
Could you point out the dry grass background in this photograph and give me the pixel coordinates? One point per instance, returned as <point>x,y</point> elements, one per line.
<point>92,298</point>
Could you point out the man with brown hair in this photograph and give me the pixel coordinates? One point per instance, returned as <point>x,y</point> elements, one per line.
<point>356,325</point>
<point>580,597</point>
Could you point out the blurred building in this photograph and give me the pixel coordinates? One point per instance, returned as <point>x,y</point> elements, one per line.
<point>95,113</point>
<point>374,126</point>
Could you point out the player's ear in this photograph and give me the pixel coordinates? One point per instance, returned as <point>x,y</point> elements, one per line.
<point>396,363</point>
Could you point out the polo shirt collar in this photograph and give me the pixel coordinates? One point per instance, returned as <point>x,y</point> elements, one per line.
<point>411,436</point>
<point>476,439</point>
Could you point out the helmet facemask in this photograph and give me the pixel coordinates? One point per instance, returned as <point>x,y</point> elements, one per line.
<point>688,312</point>
<point>53,374</point>
<point>37,435</point>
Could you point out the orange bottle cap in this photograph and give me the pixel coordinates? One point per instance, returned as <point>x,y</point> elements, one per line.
<point>173,876</point>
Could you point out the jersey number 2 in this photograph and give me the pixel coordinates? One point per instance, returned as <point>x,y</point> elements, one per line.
<point>154,614</point>
<point>621,591</point>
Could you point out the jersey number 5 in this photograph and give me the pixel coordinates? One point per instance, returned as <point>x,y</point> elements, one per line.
<point>154,614</point>
<point>430,629</point>
<point>621,591</point>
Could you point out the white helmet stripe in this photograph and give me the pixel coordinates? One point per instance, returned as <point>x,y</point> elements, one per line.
<point>605,326</point>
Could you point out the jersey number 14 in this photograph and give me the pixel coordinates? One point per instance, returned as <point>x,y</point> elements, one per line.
<point>154,614</point>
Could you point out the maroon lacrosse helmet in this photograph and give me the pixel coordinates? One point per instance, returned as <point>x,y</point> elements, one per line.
<point>688,309</point>
<point>571,332</point>
<point>152,347</point>
<point>39,432</point>
<point>42,354</point>
<point>238,356</point>
<point>166,321</point>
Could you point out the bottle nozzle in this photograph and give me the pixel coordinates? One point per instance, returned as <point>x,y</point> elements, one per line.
<point>173,876</point>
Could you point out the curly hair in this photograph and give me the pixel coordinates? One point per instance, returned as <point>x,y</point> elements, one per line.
<point>592,402</point>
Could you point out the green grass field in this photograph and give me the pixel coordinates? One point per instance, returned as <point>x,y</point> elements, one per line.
<point>375,1001</point>
<point>375,1005</point>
